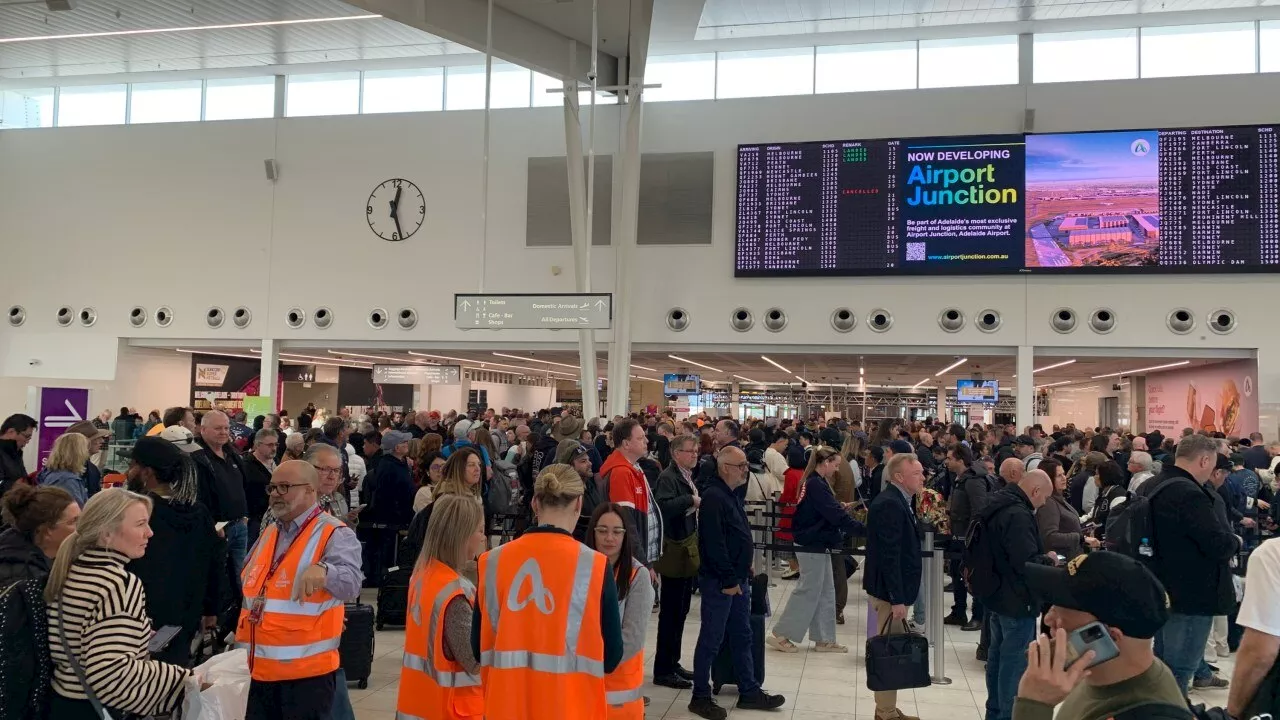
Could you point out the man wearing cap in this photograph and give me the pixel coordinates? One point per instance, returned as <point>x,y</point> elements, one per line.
<point>1024,448</point>
<point>96,437</point>
<point>574,453</point>
<point>180,570</point>
<point>1124,596</point>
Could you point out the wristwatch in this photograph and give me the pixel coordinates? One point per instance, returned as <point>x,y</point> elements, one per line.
<point>323,566</point>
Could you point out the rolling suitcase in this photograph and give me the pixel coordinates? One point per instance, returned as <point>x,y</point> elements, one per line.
<point>393,597</point>
<point>355,651</point>
<point>722,670</point>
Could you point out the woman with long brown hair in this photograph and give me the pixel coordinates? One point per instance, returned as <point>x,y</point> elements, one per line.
<point>607,533</point>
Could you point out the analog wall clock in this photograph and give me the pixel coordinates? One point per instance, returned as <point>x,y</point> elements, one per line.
<point>395,210</point>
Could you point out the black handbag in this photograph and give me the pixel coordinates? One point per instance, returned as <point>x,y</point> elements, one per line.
<point>897,662</point>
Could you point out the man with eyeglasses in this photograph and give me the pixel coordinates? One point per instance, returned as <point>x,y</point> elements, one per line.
<point>678,499</point>
<point>258,466</point>
<point>293,611</point>
<point>330,494</point>
<point>15,433</point>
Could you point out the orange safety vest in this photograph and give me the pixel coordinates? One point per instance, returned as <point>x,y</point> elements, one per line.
<point>541,649</point>
<point>294,640</point>
<point>622,686</point>
<point>432,687</point>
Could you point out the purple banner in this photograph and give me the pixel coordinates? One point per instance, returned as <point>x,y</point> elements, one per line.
<point>60,408</point>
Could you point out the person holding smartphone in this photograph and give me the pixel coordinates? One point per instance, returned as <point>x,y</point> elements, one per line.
<point>1105,608</point>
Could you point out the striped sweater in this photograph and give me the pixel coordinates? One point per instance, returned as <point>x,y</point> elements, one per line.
<point>108,630</point>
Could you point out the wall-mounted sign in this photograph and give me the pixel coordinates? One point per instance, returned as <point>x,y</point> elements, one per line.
<point>60,408</point>
<point>582,311</point>
<point>210,375</point>
<point>677,384</point>
<point>417,374</point>
<point>298,373</point>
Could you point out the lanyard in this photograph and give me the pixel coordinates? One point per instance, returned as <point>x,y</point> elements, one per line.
<point>277,561</point>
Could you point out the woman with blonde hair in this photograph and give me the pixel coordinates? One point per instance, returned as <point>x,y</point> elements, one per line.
<point>545,596</point>
<point>438,625</point>
<point>98,626</point>
<point>65,467</point>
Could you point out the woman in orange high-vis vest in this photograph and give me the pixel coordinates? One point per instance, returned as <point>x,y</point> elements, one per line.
<point>546,625</point>
<point>608,533</point>
<point>440,677</point>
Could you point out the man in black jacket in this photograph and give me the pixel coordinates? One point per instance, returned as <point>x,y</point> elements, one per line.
<point>969,495</point>
<point>1192,553</point>
<point>1013,539</point>
<point>15,433</point>
<point>724,580</point>
<point>678,499</point>
<point>893,569</point>
<point>221,488</point>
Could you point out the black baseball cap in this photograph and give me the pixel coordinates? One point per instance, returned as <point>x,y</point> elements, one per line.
<point>156,453</point>
<point>901,447</point>
<point>1025,440</point>
<point>1224,463</point>
<point>1118,590</point>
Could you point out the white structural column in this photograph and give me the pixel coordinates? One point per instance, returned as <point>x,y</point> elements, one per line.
<point>734,399</point>
<point>624,239</point>
<point>1025,388</point>
<point>944,412</point>
<point>580,230</point>
<point>270,371</point>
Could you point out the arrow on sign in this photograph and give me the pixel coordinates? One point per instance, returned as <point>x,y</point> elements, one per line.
<point>599,304</point>
<point>465,304</point>
<point>64,421</point>
<point>584,319</point>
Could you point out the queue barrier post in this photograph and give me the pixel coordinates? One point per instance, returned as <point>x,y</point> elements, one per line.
<point>936,610</point>
<point>771,508</point>
<point>757,536</point>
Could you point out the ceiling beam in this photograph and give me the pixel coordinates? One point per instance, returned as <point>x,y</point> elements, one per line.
<point>515,38</point>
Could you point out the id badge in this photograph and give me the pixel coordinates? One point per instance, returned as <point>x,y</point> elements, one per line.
<point>256,608</point>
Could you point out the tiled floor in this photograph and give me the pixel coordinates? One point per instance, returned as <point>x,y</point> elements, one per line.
<point>817,686</point>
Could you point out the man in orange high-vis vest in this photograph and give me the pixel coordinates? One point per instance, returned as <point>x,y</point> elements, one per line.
<point>622,687</point>
<point>542,650</point>
<point>297,576</point>
<point>433,687</point>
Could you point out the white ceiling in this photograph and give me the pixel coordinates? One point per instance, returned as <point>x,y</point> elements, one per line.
<point>312,42</point>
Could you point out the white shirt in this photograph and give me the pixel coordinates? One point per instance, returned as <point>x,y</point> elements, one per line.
<point>776,464</point>
<point>1139,478</point>
<point>1260,609</point>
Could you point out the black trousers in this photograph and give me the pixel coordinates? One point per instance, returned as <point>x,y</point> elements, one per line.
<point>673,608</point>
<point>305,699</point>
<point>840,576</point>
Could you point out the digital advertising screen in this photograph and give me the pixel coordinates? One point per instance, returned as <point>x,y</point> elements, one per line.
<point>1199,199</point>
<point>974,391</point>
<point>872,207</point>
<point>678,384</point>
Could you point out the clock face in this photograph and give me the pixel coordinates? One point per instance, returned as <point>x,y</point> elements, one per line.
<point>395,210</point>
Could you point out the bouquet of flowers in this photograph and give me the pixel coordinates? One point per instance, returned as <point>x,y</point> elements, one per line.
<point>933,510</point>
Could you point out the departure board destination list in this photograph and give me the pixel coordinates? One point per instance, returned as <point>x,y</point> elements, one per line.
<point>945,205</point>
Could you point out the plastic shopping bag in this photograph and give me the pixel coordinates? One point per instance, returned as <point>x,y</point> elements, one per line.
<point>228,694</point>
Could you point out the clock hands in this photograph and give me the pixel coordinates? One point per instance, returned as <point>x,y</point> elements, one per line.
<point>395,212</point>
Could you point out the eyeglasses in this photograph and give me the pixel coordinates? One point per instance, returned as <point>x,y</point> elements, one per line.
<point>737,465</point>
<point>328,471</point>
<point>274,489</point>
<point>610,532</point>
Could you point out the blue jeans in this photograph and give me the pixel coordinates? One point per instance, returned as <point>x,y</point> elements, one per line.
<point>237,545</point>
<point>724,615</point>
<point>1180,645</point>
<point>1006,661</point>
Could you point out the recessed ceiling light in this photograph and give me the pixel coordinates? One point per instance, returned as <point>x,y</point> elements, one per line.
<point>950,367</point>
<point>1055,384</point>
<point>753,382</point>
<point>1055,365</point>
<point>913,387</point>
<point>1141,370</point>
<point>762,357</point>
<point>677,357</point>
<point>641,367</point>
<point>529,359</point>
<point>186,28</point>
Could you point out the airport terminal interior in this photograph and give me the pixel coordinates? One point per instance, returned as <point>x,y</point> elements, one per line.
<point>1044,212</point>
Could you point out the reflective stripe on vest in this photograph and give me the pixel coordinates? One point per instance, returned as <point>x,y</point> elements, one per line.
<point>290,607</point>
<point>623,685</point>
<point>569,662</point>
<point>293,652</point>
<point>443,678</point>
<point>621,697</point>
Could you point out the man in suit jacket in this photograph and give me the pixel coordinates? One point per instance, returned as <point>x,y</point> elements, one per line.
<point>892,577</point>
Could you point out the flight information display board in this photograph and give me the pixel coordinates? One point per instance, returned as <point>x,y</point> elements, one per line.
<point>867,207</point>
<point>1184,200</point>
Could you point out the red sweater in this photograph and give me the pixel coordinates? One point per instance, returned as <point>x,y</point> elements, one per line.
<point>793,483</point>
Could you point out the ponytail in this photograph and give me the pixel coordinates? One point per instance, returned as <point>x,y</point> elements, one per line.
<point>68,553</point>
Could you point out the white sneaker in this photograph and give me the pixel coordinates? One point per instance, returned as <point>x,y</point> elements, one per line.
<point>781,644</point>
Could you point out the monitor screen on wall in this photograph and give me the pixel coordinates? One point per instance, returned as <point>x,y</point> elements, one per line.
<point>1197,199</point>
<point>949,205</point>
<point>977,391</point>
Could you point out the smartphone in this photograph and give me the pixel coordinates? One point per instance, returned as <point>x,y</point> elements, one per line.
<point>161,639</point>
<point>1095,637</point>
<point>218,526</point>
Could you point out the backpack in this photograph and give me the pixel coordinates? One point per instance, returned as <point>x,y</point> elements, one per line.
<point>979,557</point>
<point>1130,529</point>
<point>25,663</point>
<point>504,488</point>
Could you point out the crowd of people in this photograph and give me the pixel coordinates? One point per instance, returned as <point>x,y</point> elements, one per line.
<point>257,530</point>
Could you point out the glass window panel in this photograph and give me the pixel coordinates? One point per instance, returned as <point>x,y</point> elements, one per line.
<point>464,87</point>
<point>683,77</point>
<point>542,98</point>
<point>31,108</point>
<point>240,98</point>
<point>165,102</point>
<point>764,73</point>
<point>416,90</point>
<point>874,66</point>
<point>969,61</point>
<point>322,94</point>
<point>1270,46</point>
<point>1088,55</point>
<point>1224,49</point>
<point>92,105</point>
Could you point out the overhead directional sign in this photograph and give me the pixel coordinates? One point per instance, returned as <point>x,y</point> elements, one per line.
<point>417,374</point>
<point>582,311</point>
